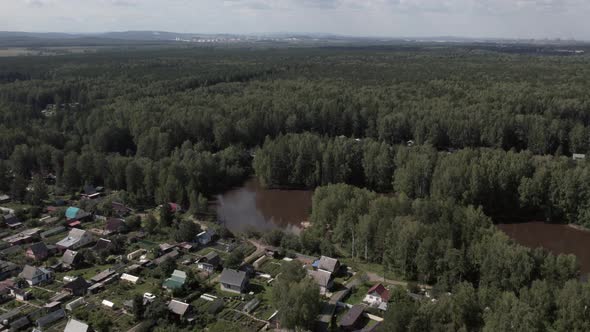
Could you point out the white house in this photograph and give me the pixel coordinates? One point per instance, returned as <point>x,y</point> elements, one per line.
<point>377,296</point>
<point>77,238</point>
<point>36,275</point>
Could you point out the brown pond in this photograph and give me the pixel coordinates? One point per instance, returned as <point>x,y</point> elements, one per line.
<point>252,206</point>
<point>558,239</point>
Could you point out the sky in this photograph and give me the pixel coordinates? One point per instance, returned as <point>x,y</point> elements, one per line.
<point>566,19</point>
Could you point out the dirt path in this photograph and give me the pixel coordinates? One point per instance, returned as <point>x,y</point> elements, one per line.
<point>374,277</point>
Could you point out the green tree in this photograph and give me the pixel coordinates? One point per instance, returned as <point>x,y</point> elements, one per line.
<point>166,215</point>
<point>187,231</point>
<point>150,224</point>
<point>138,307</point>
<point>39,190</point>
<point>298,303</point>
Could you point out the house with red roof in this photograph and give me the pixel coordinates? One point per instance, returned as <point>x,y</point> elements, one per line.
<point>377,297</point>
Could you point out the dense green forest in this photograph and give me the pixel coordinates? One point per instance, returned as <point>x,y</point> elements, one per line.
<point>416,152</point>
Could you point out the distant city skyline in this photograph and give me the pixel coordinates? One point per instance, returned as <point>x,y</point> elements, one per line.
<point>538,19</point>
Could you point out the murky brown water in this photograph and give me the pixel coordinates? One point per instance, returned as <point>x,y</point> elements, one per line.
<point>558,239</point>
<point>263,209</point>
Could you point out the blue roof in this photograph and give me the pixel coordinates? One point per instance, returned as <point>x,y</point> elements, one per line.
<point>316,264</point>
<point>72,212</point>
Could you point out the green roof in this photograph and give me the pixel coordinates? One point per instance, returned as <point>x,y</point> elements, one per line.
<point>173,283</point>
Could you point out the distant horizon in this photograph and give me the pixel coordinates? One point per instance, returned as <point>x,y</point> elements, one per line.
<point>302,33</point>
<point>484,19</point>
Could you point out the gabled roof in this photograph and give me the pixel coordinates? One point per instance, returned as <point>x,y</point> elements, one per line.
<point>211,257</point>
<point>39,249</point>
<point>176,280</point>
<point>76,326</point>
<point>177,307</point>
<point>74,236</point>
<point>102,244</point>
<point>321,277</point>
<point>381,291</point>
<point>352,316</point>
<point>103,275</point>
<point>72,212</point>
<point>30,272</point>
<point>69,257</point>
<point>328,264</point>
<point>233,277</point>
<point>76,284</point>
<point>114,225</point>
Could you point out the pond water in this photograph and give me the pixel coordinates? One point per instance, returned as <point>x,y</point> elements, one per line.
<point>558,239</point>
<point>252,206</point>
<point>255,207</point>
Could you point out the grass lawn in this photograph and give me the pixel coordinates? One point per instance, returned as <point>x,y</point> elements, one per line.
<point>86,273</point>
<point>358,294</point>
<point>360,266</point>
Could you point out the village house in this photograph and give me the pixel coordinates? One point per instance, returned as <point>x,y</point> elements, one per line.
<point>103,276</point>
<point>206,237</point>
<point>70,259</point>
<point>8,269</point>
<point>20,294</point>
<point>91,192</point>
<point>352,320</point>
<point>328,264</point>
<point>114,226</point>
<point>171,255</point>
<point>26,236</point>
<point>76,214</point>
<point>37,251</point>
<point>176,280</point>
<point>36,275</point>
<point>102,244</point>
<point>77,238</point>
<point>377,297</point>
<point>180,309</point>
<point>120,209</point>
<point>323,279</point>
<point>12,221</point>
<point>233,281</point>
<point>77,287</point>
<point>209,262</point>
<point>76,326</point>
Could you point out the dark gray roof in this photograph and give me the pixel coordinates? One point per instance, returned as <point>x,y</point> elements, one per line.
<point>51,317</point>
<point>78,283</point>
<point>352,316</point>
<point>322,278</point>
<point>328,264</point>
<point>39,248</point>
<point>212,258</point>
<point>177,307</point>
<point>233,277</point>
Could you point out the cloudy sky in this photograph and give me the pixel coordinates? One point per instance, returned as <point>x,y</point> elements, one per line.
<point>395,18</point>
